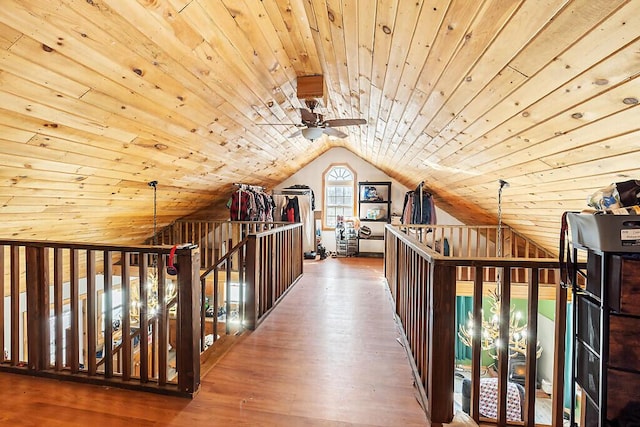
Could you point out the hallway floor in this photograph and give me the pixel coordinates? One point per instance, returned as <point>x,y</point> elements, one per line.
<point>328,355</point>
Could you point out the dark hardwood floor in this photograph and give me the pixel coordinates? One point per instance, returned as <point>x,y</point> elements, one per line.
<point>328,355</point>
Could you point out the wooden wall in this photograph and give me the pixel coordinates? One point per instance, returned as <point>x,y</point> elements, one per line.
<point>97,98</point>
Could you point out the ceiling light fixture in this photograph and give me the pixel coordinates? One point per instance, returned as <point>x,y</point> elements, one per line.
<point>312,133</point>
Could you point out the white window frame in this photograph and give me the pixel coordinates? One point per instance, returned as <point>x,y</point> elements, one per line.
<point>331,179</point>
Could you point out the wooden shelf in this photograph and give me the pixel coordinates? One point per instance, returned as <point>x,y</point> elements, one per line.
<point>376,237</point>
<point>382,208</point>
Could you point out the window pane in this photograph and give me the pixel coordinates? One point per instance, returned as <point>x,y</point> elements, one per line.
<point>339,194</point>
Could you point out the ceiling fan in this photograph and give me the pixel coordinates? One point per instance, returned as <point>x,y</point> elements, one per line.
<point>314,125</point>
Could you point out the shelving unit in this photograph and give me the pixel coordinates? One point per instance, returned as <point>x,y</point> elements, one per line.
<point>346,239</point>
<point>374,210</point>
<point>606,362</point>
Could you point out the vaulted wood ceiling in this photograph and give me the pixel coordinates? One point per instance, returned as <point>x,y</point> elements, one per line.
<point>99,97</point>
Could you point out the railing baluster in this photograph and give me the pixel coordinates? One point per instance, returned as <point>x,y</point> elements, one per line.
<point>163,322</point>
<point>15,305</point>
<point>74,347</point>
<point>504,289</point>
<point>2,281</point>
<point>143,319</point>
<point>2,321</point>
<point>91,313</point>
<point>227,309</point>
<point>557,403</point>
<point>58,308</point>
<point>125,287</point>
<point>107,346</point>
<point>476,344</point>
<point>532,340</point>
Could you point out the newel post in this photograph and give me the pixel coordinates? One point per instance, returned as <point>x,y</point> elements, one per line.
<point>441,343</point>
<point>188,320</point>
<point>37,263</point>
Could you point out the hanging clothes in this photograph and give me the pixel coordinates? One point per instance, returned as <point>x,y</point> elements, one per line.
<point>250,203</point>
<point>304,187</point>
<point>240,203</point>
<point>418,207</point>
<point>291,211</point>
<point>305,215</point>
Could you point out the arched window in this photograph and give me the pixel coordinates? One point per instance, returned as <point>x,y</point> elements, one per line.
<point>338,194</point>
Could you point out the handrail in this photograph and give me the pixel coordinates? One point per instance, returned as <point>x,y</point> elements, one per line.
<point>145,249</point>
<point>422,283</point>
<point>284,227</point>
<point>473,241</point>
<point>212,236</point>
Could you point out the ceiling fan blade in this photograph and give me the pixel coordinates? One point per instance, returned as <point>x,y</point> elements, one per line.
<point>279,124</point>
<point>345,122</point>
<point>295,134</point>
<point>307,116</point>
<point>334,132</point>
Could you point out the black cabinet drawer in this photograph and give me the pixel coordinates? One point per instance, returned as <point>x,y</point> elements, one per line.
<point>623,283</point>
<point>588,375</point>
<point>589,315</point>
<point>624,342</point>
<point>623,387</point>
<point>594,274</point>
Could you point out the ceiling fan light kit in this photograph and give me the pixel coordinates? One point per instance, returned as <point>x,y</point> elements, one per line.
<point>312,133</point>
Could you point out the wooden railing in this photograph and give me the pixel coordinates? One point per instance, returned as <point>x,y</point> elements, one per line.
<point>423,285</point>
<point>473,241</point>
<point>274,264</point>
<point>217,299</point>
<point>69,301</point>
<point>83,311</point>
<point>215,238</point>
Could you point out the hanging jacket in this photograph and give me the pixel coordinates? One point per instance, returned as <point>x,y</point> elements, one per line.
<point>291,211</point>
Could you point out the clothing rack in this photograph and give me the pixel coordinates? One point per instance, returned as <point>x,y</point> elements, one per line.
<point>293,191</point>
<point>420,188</point>
<point>418,207</point>
<point>306,213</point>
<point>249,187</point>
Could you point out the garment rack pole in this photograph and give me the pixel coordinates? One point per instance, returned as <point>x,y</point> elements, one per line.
<point>249,187</point>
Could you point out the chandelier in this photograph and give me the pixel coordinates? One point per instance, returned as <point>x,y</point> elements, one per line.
<point>489,334</point>
<point>171,290</point>
<point>153,302</point>
<point>490,331</point>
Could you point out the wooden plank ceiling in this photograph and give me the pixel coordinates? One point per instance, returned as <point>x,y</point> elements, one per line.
<point>99,97</point>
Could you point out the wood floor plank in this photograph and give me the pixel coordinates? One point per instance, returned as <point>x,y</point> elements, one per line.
<point>327,355</point>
